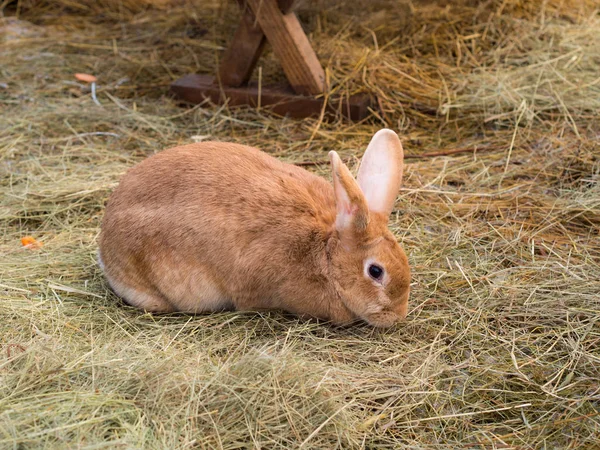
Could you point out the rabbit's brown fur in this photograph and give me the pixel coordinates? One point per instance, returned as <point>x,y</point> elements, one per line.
<point>213,226</point>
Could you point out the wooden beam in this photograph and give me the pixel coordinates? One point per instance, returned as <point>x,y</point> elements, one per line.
<point>285,6</point>
<point>195,89</point>
<point>271,20</point>
<point>245,48</point>
<point>291,46</point>
<point>243,52</point>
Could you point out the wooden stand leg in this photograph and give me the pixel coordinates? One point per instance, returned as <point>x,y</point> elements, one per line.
<point>247,45</point>
<point>242,55</point>
<point>291,46</point>
<point>270,20</point>
<point>195,89</point>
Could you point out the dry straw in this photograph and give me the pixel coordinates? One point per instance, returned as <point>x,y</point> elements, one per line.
<point>502,345</point>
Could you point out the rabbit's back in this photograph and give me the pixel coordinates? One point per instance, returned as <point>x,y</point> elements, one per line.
<point>226,178</point>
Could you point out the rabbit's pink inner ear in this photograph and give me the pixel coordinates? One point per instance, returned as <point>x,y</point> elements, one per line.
<point>351,207</point>
<point>342,200</point>
<point>380,173</point>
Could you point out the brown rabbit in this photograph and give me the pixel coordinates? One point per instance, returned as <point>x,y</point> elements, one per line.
<point>216,226</point>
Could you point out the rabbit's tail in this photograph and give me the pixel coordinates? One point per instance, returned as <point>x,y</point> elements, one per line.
<point>100,262</point>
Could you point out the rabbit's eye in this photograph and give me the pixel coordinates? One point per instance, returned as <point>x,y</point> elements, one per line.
<point>375,272</point>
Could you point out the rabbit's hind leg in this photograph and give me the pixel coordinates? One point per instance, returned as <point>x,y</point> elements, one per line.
<point>191,288</point>
<point>142,298</point>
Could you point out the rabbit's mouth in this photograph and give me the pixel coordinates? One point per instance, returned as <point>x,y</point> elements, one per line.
<point>383,319</point>
<point>388,315</point>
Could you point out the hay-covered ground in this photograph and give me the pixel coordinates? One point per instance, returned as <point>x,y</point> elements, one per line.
<point>502,345</point>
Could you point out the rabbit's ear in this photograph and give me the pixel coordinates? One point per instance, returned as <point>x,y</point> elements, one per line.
<point>380,173</point>
<point>351,206</point>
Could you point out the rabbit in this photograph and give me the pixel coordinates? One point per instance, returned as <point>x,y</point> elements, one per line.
<point>216,226</point>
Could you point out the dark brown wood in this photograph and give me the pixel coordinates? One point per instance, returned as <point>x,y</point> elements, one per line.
<point>280,100</point>
<point>242,54</point>
<point>271,20</point>
<point>245,48</point>
<point>285,6</point>
<point>291,46</point>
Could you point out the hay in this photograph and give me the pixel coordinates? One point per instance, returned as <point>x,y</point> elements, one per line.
<point>502,349</point>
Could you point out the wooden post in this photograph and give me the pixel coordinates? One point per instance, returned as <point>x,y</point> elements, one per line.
<point>246,47</point>
<point>271,20</point>
<point>291,46</point>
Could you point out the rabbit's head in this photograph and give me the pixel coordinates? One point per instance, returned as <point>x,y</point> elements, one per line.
<point>369,269</point>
